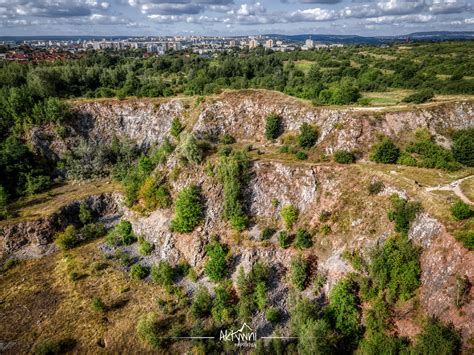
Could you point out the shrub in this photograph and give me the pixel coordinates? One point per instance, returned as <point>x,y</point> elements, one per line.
<point>147,329</point>
<point>303,239</point>
<point>325,229</point>
<point>284,149</point>
<point>301,155</point>
<point>93,231</point>
<point>138,272</point>
<point>154,194</point>
<point>222,306</point>
<point>10,264</point>
<point>308,136</point>
<point>227,139</point>
<point>437,338</point>
<point>463,146</point>
<point>216,266</point>
<point>176,127</point>
<point>466,238</point>
<point>54,347</point>
<point>299,273</point>
<point>324,216</point>
<point>273,126</point>
<point>385,152</point>
<point>98,305</point>
<point>261,295</point>
<point>67,239</point>
<point>290,215</point>
<point>202,303</point>
<point>188,210</point>
<point>420,96</point>
<point>189,149</point>
<point>122,234</point>
<point>233,174</point>
<point>273,315</point>
<point>163,274</point>
<point>34,184</point>
<point>144,246</point>
<point>3,203</point>
<point>267,233</point>
<point>344,310</point>
<point>160,155</point>
<point>344,157</point>
<point>395,267</point>
<point>316,337</point>
<point>301,312</point>
<point>375,187</point>
<point>461,210</point>
<point>85,214</point>
<point>463,287</point>
<point>284,240</point>
<point>402,213</point>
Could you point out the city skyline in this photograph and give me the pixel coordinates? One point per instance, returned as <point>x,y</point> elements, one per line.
<point>229,17</point>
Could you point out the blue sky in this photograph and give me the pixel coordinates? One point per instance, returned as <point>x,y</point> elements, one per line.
<point>232,17</point>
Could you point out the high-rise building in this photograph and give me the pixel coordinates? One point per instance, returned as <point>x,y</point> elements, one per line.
<point>269,43</point>
<point>253,43</point>
<point>309,43</point>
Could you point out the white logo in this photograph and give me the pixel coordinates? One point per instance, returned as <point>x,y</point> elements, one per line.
<point>245,336</point>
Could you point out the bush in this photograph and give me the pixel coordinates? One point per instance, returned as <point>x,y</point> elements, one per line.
<point>316,337</point>
<point>227,139</point>
<point>122,234</point>
<point>301,155</point>
<point>299,273</point>
<point>290,215</point>
<point>324,216</point>
<point>261,295</point>
<point>461,210</point>
<point>273,315</point>
<point>155,194</point>
<point>344,157</point>
<point>54,347</point>
<point>147,329</point>
<point>273,126</point>
<point>138,272</point>
<point>403,213</point>
<point>202,303</point>
<point>267,233</point>
<point>163,274</point>
<point>144,246</point>
<point>85,214</point>
<point>395,267</point>
<point>284,240</point>
<point>303,239</point>
<point>34,184</point>
<point>302,312</point>
<point>216,266</point>
<point>233,174</point>
<point>222,306</point>
<point>160,155</point>
<point>67,239</point>
<point>466,238</point>
<point>98,305</point>
<point>188,210</point>
<point>93,231</point>
<point>375,187</point>
<point>176,127</point>
<point>437,338</point>
<point>308,136</point>
<point>463,288</point>
<point>189,149</point>
<point>420,96</point>
<point>463,146</point>
<point>385,152</point>
<point>344,310</point>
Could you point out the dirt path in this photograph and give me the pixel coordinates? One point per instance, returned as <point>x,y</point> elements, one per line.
<point>455,187</point>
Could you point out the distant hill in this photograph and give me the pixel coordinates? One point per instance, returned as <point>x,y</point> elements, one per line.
<point>353,39</point>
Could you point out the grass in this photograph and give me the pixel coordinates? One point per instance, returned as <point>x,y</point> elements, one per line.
<point>40,302</point>
<point>467,187</point>
<point>46,203</point>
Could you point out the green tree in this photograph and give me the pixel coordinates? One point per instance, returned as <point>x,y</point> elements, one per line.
<point>303,239</point>
<point>273,126</point>
<point>289,214</point>
<point>316,337</point>
<point>308,136</point>
<point>299,272</point>
<point>461,210</point>
<point>403,212</point>
<point>385,152</point>
<point>163,274</point>
<point>85,215</point>
<point>176,127</point>
<point>202,303</point>
<point>437,338</point>
<point>67,239</point>
<point>3,203</point>
<point>189,149</point>
<point>216,266</point>
<point>343,157</point>
<point>188,210</point>
<point>463,146</point>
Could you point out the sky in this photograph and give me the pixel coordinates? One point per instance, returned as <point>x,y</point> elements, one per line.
<point>232,17</point>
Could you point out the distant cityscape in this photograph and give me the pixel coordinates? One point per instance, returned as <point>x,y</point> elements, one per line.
<point>44,49</point>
